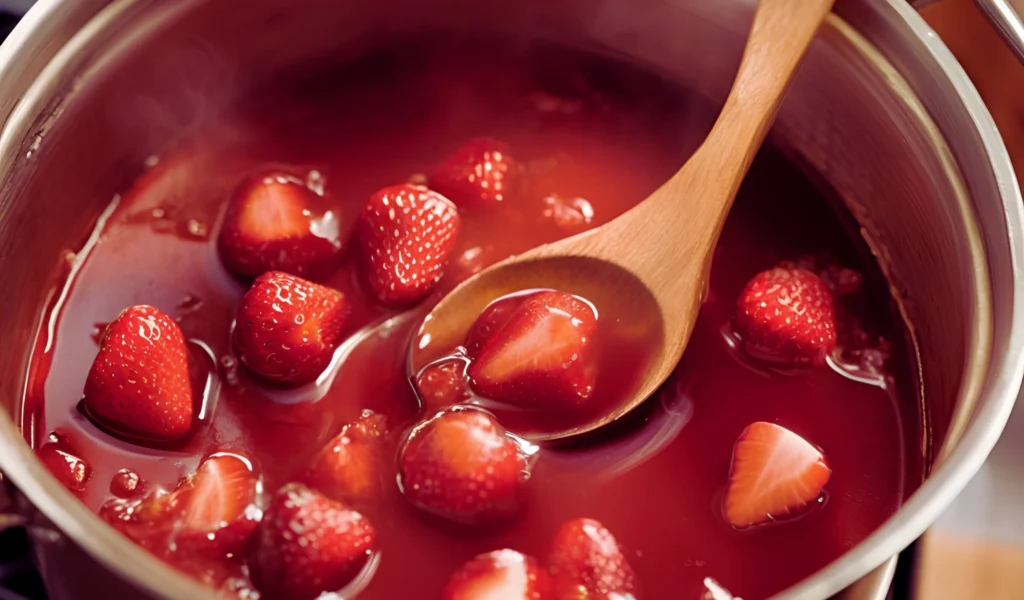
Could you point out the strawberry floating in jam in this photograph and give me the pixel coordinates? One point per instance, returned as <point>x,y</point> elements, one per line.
<point>138,385</point>
<point>275,222</point>
<point>308,544</point>
<point>786,316</point>
<point>444,382</point>
<point>64,463</point>
<point>287,328</point>
<point>775,474</point>
<point>586,562</point>
<point>477,175</point>
<point>500,575</point>
<point>126,484</point>
<point>407,233</point>
<point>535,350</point>
<point>350,466</point>
<point>462,465</point>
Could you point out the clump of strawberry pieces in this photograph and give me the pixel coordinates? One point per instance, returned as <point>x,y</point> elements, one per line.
<point>587,562</point>
<point>349,466</point>
<point>275,222</point>
<point>775,474</point>
<point>478,174</point>
<point>308,544</point>
<point>463,466</point>
<point>138,385</point>
<point>786,316</point>
<point>64,463</point>
<point>535,350</point>
<point>406,233</point>
<point>504,574</point>
<point>287,328</point>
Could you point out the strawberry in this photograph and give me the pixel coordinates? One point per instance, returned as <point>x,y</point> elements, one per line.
<point>786,316</point>
<point>308,544</point>
<point>138,385</point>
<point>775,473</point>
<point>443,383</point>
<point>586,562</point>
<point>275,223</point>
<point>502,574</point>
<point>348,467</point>
<point>407,233</point>
<point>535,350</point>
<point>478,174</point>
<point>463,466</point>
<point>64,463</point>
<point>287,328</point>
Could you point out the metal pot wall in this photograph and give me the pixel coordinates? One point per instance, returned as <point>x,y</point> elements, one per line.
<point>880,110</point>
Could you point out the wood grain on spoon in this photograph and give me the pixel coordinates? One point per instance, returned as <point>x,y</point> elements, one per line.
<point>650,265</point>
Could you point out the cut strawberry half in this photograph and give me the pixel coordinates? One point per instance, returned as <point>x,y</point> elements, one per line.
<point>479,173</point>
<point>499,575</point>
<point>349,466</point>
<point>587,562</point>
<point>535,350</point>
<point>775,474</point>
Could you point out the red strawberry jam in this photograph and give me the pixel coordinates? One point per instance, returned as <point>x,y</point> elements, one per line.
<point>774,447</point>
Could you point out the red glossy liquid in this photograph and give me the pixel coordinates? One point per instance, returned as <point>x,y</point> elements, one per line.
<point>655,479</point>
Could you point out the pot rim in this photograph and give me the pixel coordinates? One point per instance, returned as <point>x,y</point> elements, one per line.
<point>147,572</point>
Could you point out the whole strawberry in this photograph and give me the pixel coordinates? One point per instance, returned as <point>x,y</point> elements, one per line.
<point>287,328</point>
<point>786,316</point>
<point>504,574</point>
<point>138,385</point>
<point>478,174</point>
<point>348,467</point>
<point>406,233</point>
<point>308,544</point>
<point>586,562</point>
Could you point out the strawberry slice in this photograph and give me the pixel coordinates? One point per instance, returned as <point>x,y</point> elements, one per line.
<point>786,316</point>
<point>308,544</point>
<point>407,233</point>
<point>287,328</point>
<point>275,222</point>
<point>463,466</point>
<point>499,575</point>
<point>535,350</point>
<point>586,562</point>
<point>477,174</point>
<point>64,463</point>
<point>138,385</point>
<point>775,474</point>
<point>348,467</point>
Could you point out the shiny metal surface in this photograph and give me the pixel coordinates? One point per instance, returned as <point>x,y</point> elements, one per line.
<point>880,109</point>
<point>1004,17</point>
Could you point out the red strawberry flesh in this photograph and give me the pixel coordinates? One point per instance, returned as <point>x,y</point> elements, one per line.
<point>499,575</point>
<point>287,328</point>
<point>407,234</point>
<point>786,316</point>
<point>349,466</point>
<point>775,474</point>
<point>275,222</point>
<point>138,386</point>
<point>587,562</point>
<point>477,174</point>
<point>64,463</point>
<point>308,544</point>
<point>463,466</point>
<point>535,351</point>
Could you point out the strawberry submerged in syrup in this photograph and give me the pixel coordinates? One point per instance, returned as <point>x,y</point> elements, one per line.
<point>478,174</point>
<point>586,562</point>
<point>775,474</point>
<point>138,385</point>
<point>535,350</point>
<point>350,466</point>
<point>463,466</point>
<point>501,574</point>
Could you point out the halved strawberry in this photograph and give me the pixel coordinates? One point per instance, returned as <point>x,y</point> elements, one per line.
<point>349,466</point>
<point>64,463</point>
<point>586,562</point>
<point>463,466</point>
<point>138,385</point>
<point>775,473</point>
<point>477,174</point>
<point>308,544</point>
<point>287,328</point>
<point>275,222</point>
<point>407,233</point>
<point>499,575</point>
<point>786,316</point>
<point>535,350</point>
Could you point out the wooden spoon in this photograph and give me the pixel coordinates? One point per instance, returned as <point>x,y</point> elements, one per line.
<point>651,264</point>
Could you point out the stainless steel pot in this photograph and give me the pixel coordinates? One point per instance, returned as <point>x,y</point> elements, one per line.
<point>880,109</point>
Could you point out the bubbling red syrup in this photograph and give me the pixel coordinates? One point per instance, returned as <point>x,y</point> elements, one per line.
<point>593,137</point>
